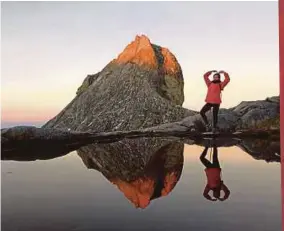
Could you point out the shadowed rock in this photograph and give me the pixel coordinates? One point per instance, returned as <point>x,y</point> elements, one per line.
<point>30,143</point>
<point>253,113</point>
<point>30,137</point>
<point>27,143</point>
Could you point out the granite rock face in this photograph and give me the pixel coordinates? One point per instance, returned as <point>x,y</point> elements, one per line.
<point>143,87</point>
<point>253,113</point>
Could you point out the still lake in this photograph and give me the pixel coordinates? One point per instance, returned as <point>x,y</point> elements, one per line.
<point>83,191</point>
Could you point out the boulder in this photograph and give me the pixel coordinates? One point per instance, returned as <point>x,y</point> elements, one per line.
<point>253,113</point>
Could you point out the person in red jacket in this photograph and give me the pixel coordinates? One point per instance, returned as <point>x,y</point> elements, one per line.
<point>213,174</point>
<point>213,98</point>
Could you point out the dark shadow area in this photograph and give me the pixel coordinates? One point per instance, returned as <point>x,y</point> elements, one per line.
<point>259,149</point>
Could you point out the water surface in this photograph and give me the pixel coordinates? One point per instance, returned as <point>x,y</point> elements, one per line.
<point>160,187</point>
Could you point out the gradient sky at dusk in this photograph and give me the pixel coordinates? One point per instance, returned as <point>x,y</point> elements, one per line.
<point>48,48</point>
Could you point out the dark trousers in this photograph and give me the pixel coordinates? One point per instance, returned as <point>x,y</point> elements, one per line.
<point>206,108</point>
<point>207,163</point>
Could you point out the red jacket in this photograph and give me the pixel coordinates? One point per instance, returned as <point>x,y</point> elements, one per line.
<point>214,181</point>
<point>214,89</point>
<point>213,177</point>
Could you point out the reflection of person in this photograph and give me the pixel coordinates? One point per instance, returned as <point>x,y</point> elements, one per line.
<point>213,98</point>
<point>213,173</point>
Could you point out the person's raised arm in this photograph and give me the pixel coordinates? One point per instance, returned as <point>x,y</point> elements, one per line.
<point>226,191</point>
<point>206,194</point>
<point>206,77</point>
<point>227,79</point>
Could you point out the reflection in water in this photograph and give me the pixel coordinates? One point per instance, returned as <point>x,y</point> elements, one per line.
<point>60,194</point>
<point>148,168</point>
<point>213,174</point>
<point>259,149</point>
<point>152,174</point>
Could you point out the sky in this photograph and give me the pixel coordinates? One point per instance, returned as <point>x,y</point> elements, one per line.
<point>48,48</point>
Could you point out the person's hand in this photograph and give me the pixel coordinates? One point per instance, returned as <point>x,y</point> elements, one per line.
<point>210,72</point>
<point>209,198</point>
<point>223,72</point>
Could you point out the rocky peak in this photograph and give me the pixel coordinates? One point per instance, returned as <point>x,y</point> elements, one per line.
<point>142,52</point>
<point>139,52</point>
<point>141,88</point>
<point>150,56</point>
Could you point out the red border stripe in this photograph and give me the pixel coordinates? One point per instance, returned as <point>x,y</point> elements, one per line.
<point>281,65</point>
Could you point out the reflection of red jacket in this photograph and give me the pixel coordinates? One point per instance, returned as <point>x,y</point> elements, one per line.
<point>213,177</point>
<point>214,89</point>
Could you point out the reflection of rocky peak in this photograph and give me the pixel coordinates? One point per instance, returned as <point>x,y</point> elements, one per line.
<point>144,189</point>
<point>143,87</point>
<point>152,173</point>
<point>262,149</point>
<point>138,192</point>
